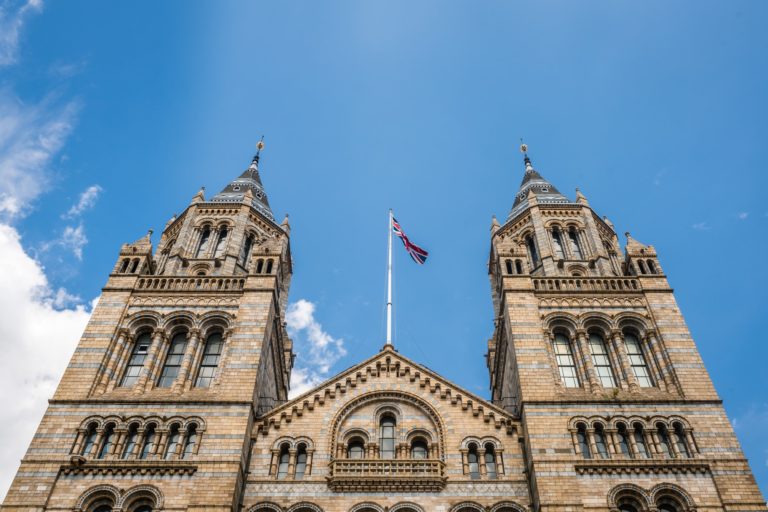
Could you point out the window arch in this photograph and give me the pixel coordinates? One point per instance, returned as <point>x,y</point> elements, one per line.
<point>173,360</point>
<point>205,239</point>
<point>637,360</point>
<point>356,448</point>
<point>473,462</point>
<point>270,262</point>
<point>639,436</point>
<point>148,447</point>
<point>490,461</point>
<point>532,251</point>
<point>557,242</point>
<point>565,361</point>
<point>582,441</point>
<point>508,264</point>
<point>90,440</point>
<point>131,440</point>
<point>245,254</point>
<point>419,449</point>
<point>259,266</point>
<point>301,462</point>
<point>135,266</point>
<point>387,426</point>
<point>573,237</point>
<point>601,360</point>
<point>641,266</point>
<point>190,441</point>
<point>652,267</point>
<point>622,437</point>
<point>221,243</point>
<point>108,440</point>
<point>124,266</point>
<point>600,443</point>
<point>136,361</point>
<point>283,462</point>
<point>174,438</point>
<point>210,361</point>
<point>665,444</point>
<point>519,266</point>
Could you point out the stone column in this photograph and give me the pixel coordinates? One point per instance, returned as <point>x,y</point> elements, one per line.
<point>592,443</point>
<point>117,447</point>
<point>692,448</point>
<point>663,369</point>
<point>273,462</point>
<point>575,442</point>
<point>611,442</point>
<point>626,366</point>
<point>113,380</point>
<point>464,461</point>
<point>108,372</point>
<point>499,461</point>
<point>672,436</point>
<point>550,338</point>
<point>310,452</point>
<point>481,461</point>
<point>186,363</point>
<point>159,448</point>
<point>655,445</point>
<point>158,339</point>
<point>291,463</point>
<point>586,360</point>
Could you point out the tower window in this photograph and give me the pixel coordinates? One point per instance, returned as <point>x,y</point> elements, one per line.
<point>387,437</point>
<point>285,459</point>
<point>301,462</point>
<point>269,266</point>
<point>623,439</point>
<point>557,243</point>
<point>652,267</point>
<point>245,255</point>
<point>135,266</point>
<point>205,238</point>
<point>565,362</point>
<point>509,267</point>
<point>259,266</point>
<point>221,243</point>
<point>639,435</point>
<point>90,440</point>
<point>190,442</point>
<point>210,361</point>
<point>124,266</point>
<point>355,449</point>
<point>680,440</point>
<point>573,236</point>
<point>418,449</point>
<point>173,360</point>
<point>130,443</point>
<point>641,265</point>
<point>581,440</point>
<point>637,360</point>
<point>664,443</point>
<point>490,461</point>
<point>148,447</point>
<point>600,444</point>
<point>472,461</point>
<point>173,442</point>
<point>601,361</point>
<point>136,362</point>
<point>108,441</point>
<point>519,266</point>
<point>532,252</point>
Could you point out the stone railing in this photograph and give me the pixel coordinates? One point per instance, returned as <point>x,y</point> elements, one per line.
<point>193,283</point>
<point>377,475</point>
<point>586,284</point>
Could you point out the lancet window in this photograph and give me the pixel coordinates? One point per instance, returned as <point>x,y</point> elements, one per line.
<point>601,361</point>
<point>387,437</point>
<point>637,360</point>
<point>221,243</point>
<point>210,361</point>
<point>136,361</point>
<point>173,360</point>
<point>205,239</point>
<point>565,361</point>
<point>573,237</point>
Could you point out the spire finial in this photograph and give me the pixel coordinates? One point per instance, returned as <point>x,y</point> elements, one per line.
<point>526,159</point>
<point>259,147</point>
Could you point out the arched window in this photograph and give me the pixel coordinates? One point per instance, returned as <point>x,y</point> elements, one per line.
<point>519,266</point>
<point>355,448</point>
<point>557,243</point>
<point>652,267</point>
<point>601,361</point>
<point>532,252</point>
<point>387,437</point>
<point>490,461</point>
<point>245,254</point>
<point>259,266</point>
<point>639,435</point>
<point>174,436</point>
<point>573,237</point>
<point>418,449</point>
<point>136,362</point>
<point>301,462</point>
<point>190,442</point>
<point>668,507</point>
<point>665,444</point>
<point>637,360</point>
<point>210,360</point>
<point>600,445</point>
<point>103,508</point>
<point>473,462</point>
<point>124,266</point>
<point>143,508</point>
<point>509,267</point>
<point>107,441</point>
<point>135,266</point>
<point>90,440</point>
<point>149,442</point>
<point>623,438</point>
<point>205,238</point>
<point>173,360</point>
<point>581,439</point>
<point>283,463</point>
<point>641,265</point>
<point>680,441</point>
<point>221,243</point>
<point>565,362</point>
<point>130,441</point>
<point>269,266</point>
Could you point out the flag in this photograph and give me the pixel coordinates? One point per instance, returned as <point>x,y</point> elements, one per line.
<point>418,254</point>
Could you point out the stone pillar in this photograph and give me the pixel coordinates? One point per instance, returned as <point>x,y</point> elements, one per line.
<point>158,339</point>
<point>621,349</point>
<point>586,360</point>
<point>692,448</point>
<point>186,363</point>
<point>310,452</point>
<point>117,447</point>
<point>611,440</point>
<point>550,337</point>
<point>157,451</point>
<point>78,446</point>
<point>139,442</point>
<point>655,446</point>
<point>664,370</point>
<point>108,372</point>
<point>481,461</point>
<point>273,462</point>
<point>575,441</point>
<point>464,461</point>
<point>499,461</point>
<point>592,443</point>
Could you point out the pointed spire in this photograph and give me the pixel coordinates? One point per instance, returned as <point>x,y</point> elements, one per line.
<point>494,224</point>
<point>286,225</point>
<point>533,183</point>
<point>249,182</point>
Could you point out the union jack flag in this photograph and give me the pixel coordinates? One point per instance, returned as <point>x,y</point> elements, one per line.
<point>418,254</point>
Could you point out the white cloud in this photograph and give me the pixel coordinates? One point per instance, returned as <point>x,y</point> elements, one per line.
<point>39,329</point>
<point>30,136</point>
<point>316,350</point>
<point>12,17</point>
<point>743,215</point>
<point>701,226</point>
<point>72,239</point>
<point>85,202</point>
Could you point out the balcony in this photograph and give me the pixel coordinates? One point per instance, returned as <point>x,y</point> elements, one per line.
<point>392,475</point>
<point>587,284</point>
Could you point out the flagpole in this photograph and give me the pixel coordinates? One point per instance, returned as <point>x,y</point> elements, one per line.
<point>389,282</point>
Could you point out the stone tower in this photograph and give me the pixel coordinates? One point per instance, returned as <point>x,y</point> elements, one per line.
<point>186,346</point>
<point>592,353</point>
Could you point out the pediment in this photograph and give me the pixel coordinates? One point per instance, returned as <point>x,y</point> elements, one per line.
<point>414,382</point>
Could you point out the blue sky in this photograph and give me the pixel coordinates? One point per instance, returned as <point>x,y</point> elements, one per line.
<point>113,115</point>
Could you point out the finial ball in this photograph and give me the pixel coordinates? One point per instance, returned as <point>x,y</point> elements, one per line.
<point>260,145</point>
<point>523,148</point>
